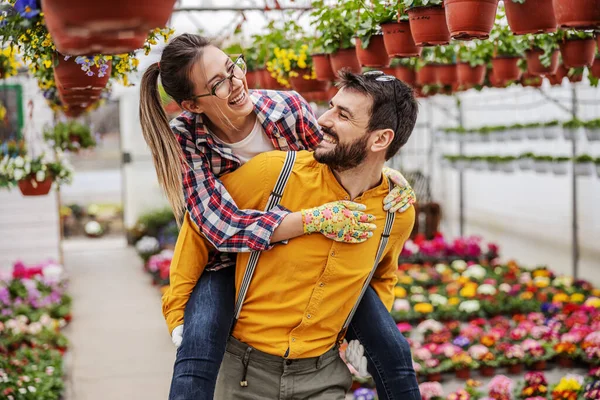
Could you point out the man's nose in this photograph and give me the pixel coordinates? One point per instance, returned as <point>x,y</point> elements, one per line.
<point>325,119</point>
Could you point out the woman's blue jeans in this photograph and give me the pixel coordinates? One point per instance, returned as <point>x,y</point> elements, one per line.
<point>208,317</point>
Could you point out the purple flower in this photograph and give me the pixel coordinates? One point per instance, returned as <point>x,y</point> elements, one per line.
<point>461,341</point>
<point>6,312</point>
<point>4,296</point>
<point>27,8</point>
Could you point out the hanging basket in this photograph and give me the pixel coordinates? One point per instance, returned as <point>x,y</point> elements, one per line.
<point>398,40</point>
<point>406,75</point>
<point>470,76</point>
<point>520,15</point>
<point>445,74</point>
<point>302,85</point>
<point>534,65</point>
<point>428,26</point>
<point>529,80</point>
<point>578,53</point>
<point>107,27</point>
<point>575,77</point>
<point>30,187</point>
<point>595,69</point>
<point>253,79</point>
<point>375,55</point>
<point>505,69</point>
<point>345,58</point>
<point>426,75</point>
<point>580,14</point>
<point>557,78</point>
<point>322,66</point>
<point>69,76</point>
<point>470,19</point>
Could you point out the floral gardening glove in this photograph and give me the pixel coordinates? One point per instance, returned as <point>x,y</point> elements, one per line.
<point>341,221</point>
<point>402,196</point>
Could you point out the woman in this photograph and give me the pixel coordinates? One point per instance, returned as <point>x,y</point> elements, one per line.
<point>223,125</point>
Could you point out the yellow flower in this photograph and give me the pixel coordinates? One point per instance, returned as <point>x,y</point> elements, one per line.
<point>560,298</point>
<point>463,280</point>
<point>399,292</point>
<point>568,384</point>
<point>453,301</point>
<point>423,308</point>
<point>596,292</point>
<point>469,291</point>
<point>47,63</point>
<point>593,302</point>
<point>541,272</point>
<point>526,296</point>
<point>577,298</point>
<point>405,280</point>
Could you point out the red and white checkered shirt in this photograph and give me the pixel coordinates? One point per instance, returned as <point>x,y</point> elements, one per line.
<point>289,122</point>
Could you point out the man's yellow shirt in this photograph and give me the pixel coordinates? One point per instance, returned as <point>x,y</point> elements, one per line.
<point>301,292</point>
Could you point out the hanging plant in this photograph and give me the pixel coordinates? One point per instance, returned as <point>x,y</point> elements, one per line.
<point>542,57</point>
<point>71,136</point>
<point>578,14</point>
<point>473,58</point>
<point>470,19</point>
<point>577,48</point>
<point>370,45</point>
<point>445,59</point>
<point>397,35</point>
<point>8,62</point>
<point>427,22</point>
<point>34,176</point>
<point>508,49</point>
<point>519,14</point>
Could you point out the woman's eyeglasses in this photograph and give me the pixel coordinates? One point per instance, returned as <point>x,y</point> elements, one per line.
<point>223,88</point>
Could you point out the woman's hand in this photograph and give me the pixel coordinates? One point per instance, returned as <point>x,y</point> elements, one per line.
<point>342,221</point>
<point>402,196</point>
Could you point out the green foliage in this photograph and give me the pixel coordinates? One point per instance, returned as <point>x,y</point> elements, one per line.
<point>421,3</point>
<point>547,42</point>
<point>445,54</point>
<point>476,52</point>
<point>562,34</point>
<point>70,136</point>
<point>584,158</point>
<point>562,159</point>
<point>573,124</point>
<point>506,44</point>
<point>336,25</point>
<point>409,62</point>
<point>281,34</point>
<point>593,124</point>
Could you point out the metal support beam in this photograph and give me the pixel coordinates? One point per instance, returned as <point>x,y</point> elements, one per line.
<point>461,173</point>
<point>239,9</point>
<point>575,225</point>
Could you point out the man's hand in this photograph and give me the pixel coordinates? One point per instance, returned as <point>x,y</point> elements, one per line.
<point>402,196</point>
<point>177,336</point>
<point>354,355</point>
<point>341,221</point>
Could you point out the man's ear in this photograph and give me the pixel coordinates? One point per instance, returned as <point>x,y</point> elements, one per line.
<point>382,140</point>
<point>192,106</point>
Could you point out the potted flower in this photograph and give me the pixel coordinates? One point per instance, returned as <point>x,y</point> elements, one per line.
<point>575,74</point>
<point>71,136</point>
<point>513,358</point>
<point>542,57</point>
<point>580,15</point>
<point>445,64</point>
<point>34,175</point>
<point>493,163</point>
<point>535,385</point>
<point>525,161</point>
<point>569,387</point>
<point>592,130</point>
<point>462,364</point>
<point>509,50</point>
<point>560,165</point>
<point>293,67</point>
<point>571,129</point>
<point>482,355</point>
<point>577,48</point>
<point>397,35</point>
<point>542,164</point>
<point>533,131</point>
<point>370,46</point>
<point>431,391</point>
<point>427,22</point>
<point>551,130</point>
<point>537,354</point>
<point>501,388</point>
<point>519,12</point>
<point>470,19</point>
<point>473,58</point>
<point>584,165</point>
<point>336,27</point>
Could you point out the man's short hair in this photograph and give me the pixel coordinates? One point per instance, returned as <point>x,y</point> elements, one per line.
<point>396,111</point>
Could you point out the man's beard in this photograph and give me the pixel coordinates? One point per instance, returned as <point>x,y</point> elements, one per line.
<point>344,156</point>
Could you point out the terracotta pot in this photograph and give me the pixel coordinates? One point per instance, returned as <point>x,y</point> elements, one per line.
<point>521,22</point>
<point>437,377</point>
<point>581,14</point>
<point>428,26</point>
<point>322,66</point>
<point>470,76</point>
<point>69,76</point>
<point>107,22</point>
<point>505,69</point>
<point>426,75</point>
<point>268,82</point>
<point>534,65</point>
<point>302,85</point>
<point>516,369</point>
<point>253,79</point>
<point>375,55</point>
<point>398,40</point>
<point>27,188</point>
<point>79,97</point>
<point>575,78</point>
<point>578,53</point>
<point>332,91</point>
<point>487,371</point>
<point>406,75</point>
<point>464,373</point>
<point>445,74</point>
<point>558,77</point>
<point>539,366</point>
<point>74,111</point>
<point>595,69</point>
<point>345,58</point>
<point>529,80</point>
<point>565,362</point>
<point>470,19</point>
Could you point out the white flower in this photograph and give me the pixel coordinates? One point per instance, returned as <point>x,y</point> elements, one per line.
<point>40,176</point>
<point>475,271</point>
<point>35,328</point>
<point>32,389</point>
<point>53,272</point>
<point>487,289</point>
<point>440,268</point>
<point>147,244</point>
<point>19,174</point>
<point>93,228</point>
<point>469,306</point>
<point>418,298</point>
<point>46,321</point>
<point>417,289</point>
<point>504,287</point>
<point>22,390</point>
<point>438,299</point>
<point>459,265</point>
<point>19,162</point>
<point>563,280</point>
<point>430,325</point>
<point>401,305</point>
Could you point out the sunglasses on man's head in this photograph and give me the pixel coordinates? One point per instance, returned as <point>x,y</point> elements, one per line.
<point>380,76</point>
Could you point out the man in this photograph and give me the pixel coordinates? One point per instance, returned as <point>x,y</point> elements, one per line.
<point>296,307</point>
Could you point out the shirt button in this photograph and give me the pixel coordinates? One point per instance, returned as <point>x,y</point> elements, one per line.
<point>293,339</point>
<point>321,284</point>
<point>308,316</point>
<point>333,254</point>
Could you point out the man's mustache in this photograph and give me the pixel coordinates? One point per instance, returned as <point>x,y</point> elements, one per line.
<point>329,132</point>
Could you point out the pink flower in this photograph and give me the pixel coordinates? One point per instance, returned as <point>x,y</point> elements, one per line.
<point>501,385</point>
<point>422,354</point>
<point>478,351</point>
<point>429,390</point>
<point>404,327</point>
<point>516,352</point>
<point>327,214</point>
<point>432,363</point>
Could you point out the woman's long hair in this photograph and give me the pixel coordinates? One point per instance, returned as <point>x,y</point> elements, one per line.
<point>176,63</point>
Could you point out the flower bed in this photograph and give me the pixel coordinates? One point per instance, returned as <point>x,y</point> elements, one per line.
<point>33,309</point>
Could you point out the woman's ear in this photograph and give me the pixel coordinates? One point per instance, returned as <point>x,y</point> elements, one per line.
<point>192,106</point>
<point>383,139</point>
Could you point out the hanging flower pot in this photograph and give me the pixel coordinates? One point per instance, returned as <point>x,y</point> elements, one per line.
<point>505,69</point>
<point>426,75</point>
<point>322,66</point>
<point>557,78</point>
<point>595,69</point>
<point>578,52</point>
<point>398,40</point>
<point>445,74</point>
<point>345,58</point>
<point>535,66</point>
<point>69,75</point>
<point>406,75</point>
<point>580,14</point>
<point>428,26</point>
<point>77,97</point>
<point>470,19</point>
<point>470,76</point>
<point>520,19</point>
<point>31,187</point>
<point>108,22</point>
<point>253,79</point>
<point>529,80</point>
<point>375,55</point>
<point>494,81</point>
<point>301,84</point>
<point>575,77</point>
